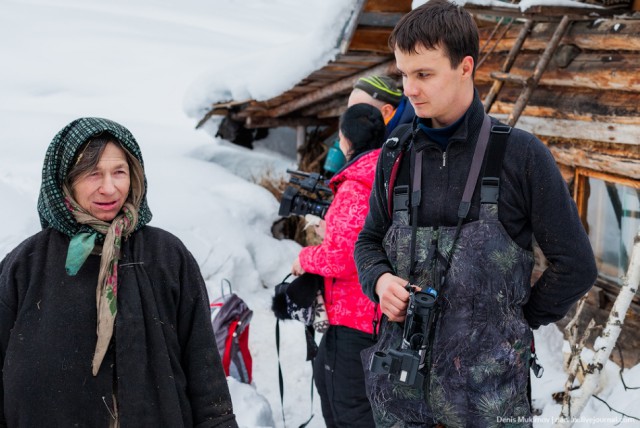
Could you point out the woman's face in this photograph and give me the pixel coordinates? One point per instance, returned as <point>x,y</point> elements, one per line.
<point>345,145</point>
<point>103,191</point>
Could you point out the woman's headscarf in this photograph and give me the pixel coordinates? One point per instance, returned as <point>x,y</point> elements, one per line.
<point>58,162</point>
<point>60,211</point>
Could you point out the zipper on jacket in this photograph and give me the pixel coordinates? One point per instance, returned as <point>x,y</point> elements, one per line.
<point>444,158</point>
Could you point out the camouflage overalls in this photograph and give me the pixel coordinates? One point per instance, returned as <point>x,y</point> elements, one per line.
<point>480,357</point>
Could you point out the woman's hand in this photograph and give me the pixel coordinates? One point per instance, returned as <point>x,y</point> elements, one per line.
<point>320,228</point>
<point>393,296</point>
<point>296,268</point>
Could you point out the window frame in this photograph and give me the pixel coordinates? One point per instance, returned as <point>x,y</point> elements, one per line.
<point>581,176</point>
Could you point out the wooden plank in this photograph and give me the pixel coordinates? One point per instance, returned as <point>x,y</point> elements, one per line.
<point>579,130</point>
<point>269,122</point>
<point>330,90</point>
<point>321,109</point>
<point>364,59</point>
<point>601,35</point>
<point>379,19</point>
<point>587,70</point>
<point>540,12</point>
<point>334,112</point>
<point>572,103</point>
<point>351,26</point>
<point>374,39</point>
<point>596,161</point>
<point>333,73</point>
<point>401,6</point>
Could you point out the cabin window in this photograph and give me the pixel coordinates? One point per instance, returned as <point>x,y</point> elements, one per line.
<point>609,207</point>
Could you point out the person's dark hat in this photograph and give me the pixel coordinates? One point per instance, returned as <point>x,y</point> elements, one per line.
<point>382,88</point>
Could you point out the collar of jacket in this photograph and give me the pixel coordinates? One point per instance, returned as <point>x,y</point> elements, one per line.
<point>345,172</point>
<point>468,130</point>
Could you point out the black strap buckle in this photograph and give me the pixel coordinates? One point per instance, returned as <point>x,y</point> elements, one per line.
<point>500,129</point>
<point>401,198</point>
<point>490,190</point>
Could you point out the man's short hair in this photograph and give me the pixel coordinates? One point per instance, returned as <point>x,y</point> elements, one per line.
<point>438,24</point>
<point>381,88</point>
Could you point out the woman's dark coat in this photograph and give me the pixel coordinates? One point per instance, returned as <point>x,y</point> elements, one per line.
<point>162,365</point>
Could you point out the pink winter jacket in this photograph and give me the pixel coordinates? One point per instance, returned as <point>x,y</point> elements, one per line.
<point>333,259</point>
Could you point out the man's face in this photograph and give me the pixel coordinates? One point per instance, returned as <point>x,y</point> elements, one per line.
<point>436,90</point>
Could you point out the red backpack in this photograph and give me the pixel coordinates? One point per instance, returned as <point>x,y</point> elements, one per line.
<point>230,318</point>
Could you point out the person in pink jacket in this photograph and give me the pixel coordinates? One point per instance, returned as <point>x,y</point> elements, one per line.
<point>338,371</point>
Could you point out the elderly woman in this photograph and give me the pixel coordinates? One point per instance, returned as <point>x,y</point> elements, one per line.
<point>104,321</point>
<point>337,368</point>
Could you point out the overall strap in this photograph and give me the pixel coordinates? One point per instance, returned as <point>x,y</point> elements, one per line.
<point>416,194</point>
<point>465,204</point>
<point>490,189</point>
<point>474,171</point>
<point>472,179</point>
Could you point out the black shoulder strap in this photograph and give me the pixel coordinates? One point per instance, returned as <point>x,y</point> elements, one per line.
<point>490,188</point>
<point>281,380</point>
<point>400,144</point>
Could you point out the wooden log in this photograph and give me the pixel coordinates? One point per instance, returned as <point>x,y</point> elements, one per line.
<point>571,103</point>
<point>596,157</point>
<point>600,35</point>
<point>587,70</point>
<point>329,90</point>
<point>401,6</point>
<point>379,19</point>
<point>546,12</point>
<point>322,109</point>
<point>538,69</point>
<point>371,39</point>
<point>292,122</point>
<point>580,130</point>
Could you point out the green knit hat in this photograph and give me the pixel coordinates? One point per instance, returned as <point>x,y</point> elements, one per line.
<point>58,162</point>
<point>382,88</point>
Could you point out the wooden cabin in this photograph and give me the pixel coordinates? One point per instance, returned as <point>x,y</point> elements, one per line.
<point>568,74</point>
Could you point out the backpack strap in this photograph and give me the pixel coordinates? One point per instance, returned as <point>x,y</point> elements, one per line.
<point>490,188</point>
<point>401,144</point>
<point>281,379</point>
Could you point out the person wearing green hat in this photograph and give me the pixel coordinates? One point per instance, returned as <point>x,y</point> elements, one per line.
<point>383,93</point>
<point>104,320</point>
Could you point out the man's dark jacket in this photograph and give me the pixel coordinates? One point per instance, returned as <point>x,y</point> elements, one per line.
<point>534,201</point>
<point>163,365</point>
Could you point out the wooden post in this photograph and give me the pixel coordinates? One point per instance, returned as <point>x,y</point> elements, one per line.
<point>522,100</point>
<point>300,140</point>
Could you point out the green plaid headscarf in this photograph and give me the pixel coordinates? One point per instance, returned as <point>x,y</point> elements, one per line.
<point>58,162</point>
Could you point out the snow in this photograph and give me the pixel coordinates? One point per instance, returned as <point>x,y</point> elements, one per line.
<point>523,5</point>
<point>154,66</point>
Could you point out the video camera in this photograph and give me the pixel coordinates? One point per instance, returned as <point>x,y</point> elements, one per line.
<point>405,365</point>
<point>293,202</point>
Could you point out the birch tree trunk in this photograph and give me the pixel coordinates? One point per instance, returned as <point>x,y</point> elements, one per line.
<point>605,343</point>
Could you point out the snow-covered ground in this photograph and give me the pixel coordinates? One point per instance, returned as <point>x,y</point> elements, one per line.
<point>152,65</point>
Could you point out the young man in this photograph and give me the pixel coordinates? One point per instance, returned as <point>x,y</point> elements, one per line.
<point>383,93</point>
<point>469,241</point>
